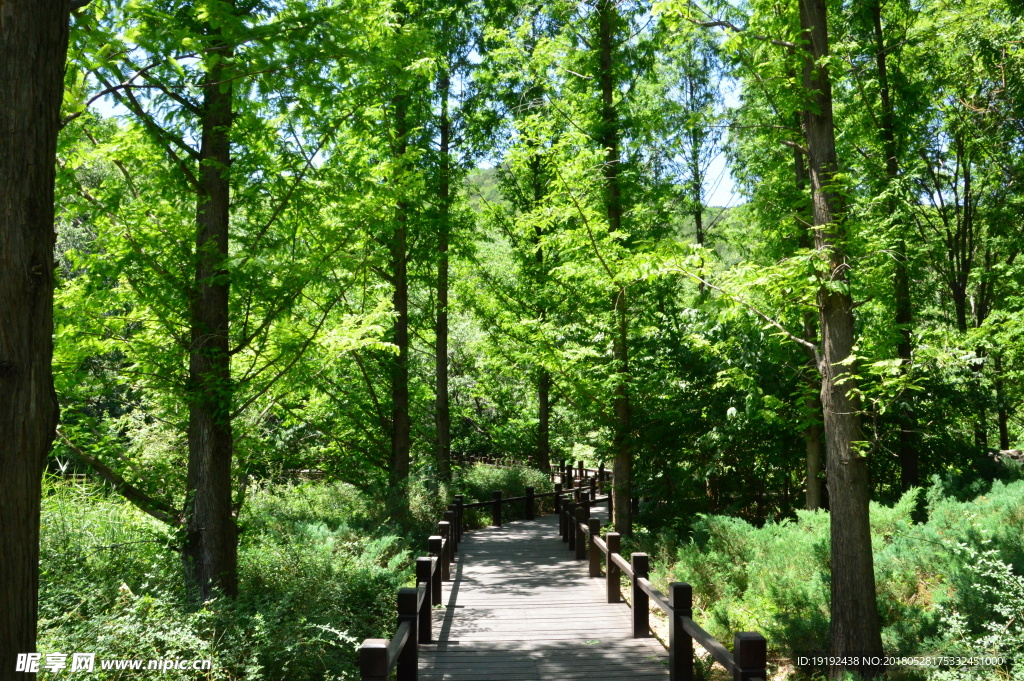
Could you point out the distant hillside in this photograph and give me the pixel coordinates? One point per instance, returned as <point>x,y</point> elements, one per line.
<point>482,187</point>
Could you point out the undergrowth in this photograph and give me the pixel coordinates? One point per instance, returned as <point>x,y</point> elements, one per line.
<point>319,567</point>
<point>315,579</point>
<point>945,587</point>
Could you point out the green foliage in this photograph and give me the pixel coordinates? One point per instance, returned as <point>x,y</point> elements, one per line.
<point>962,567</point>
<point>479,482</point>
<point>317,577</point>
<point>1001,639</point>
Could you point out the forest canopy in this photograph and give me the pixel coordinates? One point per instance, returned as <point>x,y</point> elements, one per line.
<point>367,241</point>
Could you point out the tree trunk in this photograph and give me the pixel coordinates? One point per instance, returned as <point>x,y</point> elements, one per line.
<point>622,464</point>
<point>33,47</point>
<point>543,454</point>
<point>813,445</point>
<point>697,196</point>
<point>1002,412</point>
<point>443,416</point>
<point>211,540</point>
<point>400,426</point>
<point>812,403</point>
<point>981,425</point>
<point>855,625</point>
<point>901,279</point>
<point>543,461</point>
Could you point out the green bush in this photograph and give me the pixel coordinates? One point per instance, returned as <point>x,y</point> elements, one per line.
<point>314,581</point>
<point>479,482</point>
<point>775,578</point>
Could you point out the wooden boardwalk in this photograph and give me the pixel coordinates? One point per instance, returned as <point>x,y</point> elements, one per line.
<point>520,608</point>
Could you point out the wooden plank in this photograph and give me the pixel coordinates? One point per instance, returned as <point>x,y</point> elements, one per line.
<point>522,608</point>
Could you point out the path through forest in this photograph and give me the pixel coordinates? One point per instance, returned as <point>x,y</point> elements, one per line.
<point>521,608</point>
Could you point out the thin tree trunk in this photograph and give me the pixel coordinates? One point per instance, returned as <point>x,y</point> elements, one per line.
<point>33,46</point>
<point>813,446</point>
<point>211,541</point>
<point>1002,412</point>
<point>855,626</point>
<point>543,461</point>
<point>400,426</point>
<point>981,425</point>
<point>697,196</point>
<point>543,454</point>
<point>622,464</point>
<point>901,279</point>
<point>443,416</point>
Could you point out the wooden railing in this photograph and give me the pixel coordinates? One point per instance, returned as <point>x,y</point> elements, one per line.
<point>563,471</point>
<point>747,662</point>
<point>378,657</point>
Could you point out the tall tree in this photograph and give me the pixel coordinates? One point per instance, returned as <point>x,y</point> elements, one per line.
<point>901,277</point>
<point>33,46</point>
<point>455,35</point>
<point>188,261</point>
<point>211,539</point>
<point>855,625</point>
<point>398,268</point>
<point>608,39</point>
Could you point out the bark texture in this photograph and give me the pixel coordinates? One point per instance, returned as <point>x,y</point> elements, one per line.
<point>33,47</point>
<point>443,412</point>
<point>622,464</point>
<point>400,425</point>
<point>543,453</point>
<point>211,540</point>
<point>855,625</point>
<point>813,445</point>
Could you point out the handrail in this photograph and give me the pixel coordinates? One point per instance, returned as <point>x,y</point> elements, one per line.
<point>379,657</point>
<point>398,644</point>
<point>660,599</point>
<point>747,662</point>
<point>623,565</point>
<point>710,644</point>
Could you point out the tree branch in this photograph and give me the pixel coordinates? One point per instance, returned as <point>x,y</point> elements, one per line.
<point>140,499</point>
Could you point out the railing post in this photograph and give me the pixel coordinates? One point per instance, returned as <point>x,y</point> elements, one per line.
<point>600,477</point>
<point>680,643</point>
<point>576,495</point>
<point>459,525</point>
<point>611,499</point>
<point>434,546</point>
<point>444,529</point>
<point>373,660</point>
<point>558,497</point>
<point>496,510</point>
<point>612,571</point>
<point>529,503</point>
<point>423,564</point>
<point>453,532</point>
<point>595,553</point>
<point>408,659</point>
<point>580,466</point>
<point>570,530</point>
<point>593,489</point>
<point>582,516</point>
<point>750,651</point>
<point>560,510</point>
<point>641,601</point>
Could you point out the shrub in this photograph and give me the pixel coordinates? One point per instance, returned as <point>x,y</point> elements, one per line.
<point>314,581</point>
<point>479,482</point>
<point>775,578</point>
<point>1002,637</point>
